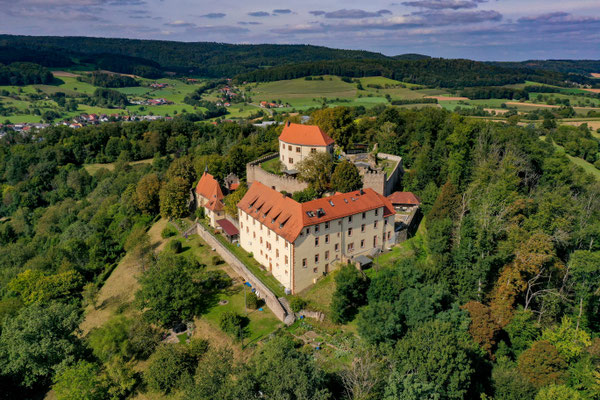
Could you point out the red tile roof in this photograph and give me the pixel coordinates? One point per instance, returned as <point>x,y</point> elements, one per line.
<point>209,188</point>
<point>404,198</point>
<point>304,135</point>
<point>287,217</point>
<point>215,205</point>
<point>228,227</point>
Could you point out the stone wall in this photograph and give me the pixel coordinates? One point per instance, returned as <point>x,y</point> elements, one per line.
<point>269,297</point>
<point>254,172</point>
<point>392,181</point>
<point>379,181</point>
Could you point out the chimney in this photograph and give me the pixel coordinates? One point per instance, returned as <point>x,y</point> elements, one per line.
<point>362,191</point>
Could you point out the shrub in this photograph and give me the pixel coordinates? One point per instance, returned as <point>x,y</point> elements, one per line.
<point>297,304</point>
<point>175,246</point>
<point>233,323</point>
<point>216,260</point>
<point>168,232</point>
<point>253,301</point>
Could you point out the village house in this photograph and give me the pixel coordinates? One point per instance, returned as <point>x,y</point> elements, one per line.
<point>300,242</point>
<point>210,197</point>
<point>298,142</point>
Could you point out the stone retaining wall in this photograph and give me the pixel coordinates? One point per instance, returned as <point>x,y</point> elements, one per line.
<point>267,295</point>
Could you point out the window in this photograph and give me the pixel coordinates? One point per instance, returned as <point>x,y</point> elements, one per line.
<point>317,241</point>
<point>326,225</point>
<point>337,247</point>
<point>286,259</point>
<point>364,215</point>
<point>291,160</point>
<point>350,218</point>
<point>247,230</point>
<point>350,247</point>
<point>304,263</point>
<point>376,211</point>
<point>276,252</point>
<point>385,221</point>
<point>327,255</point>
<point>375,224</point>
<point>290,147</point>
<point>282,157</point>
<point>316,258</point>
<point>317,228</point>
<point>283,146</point>
<point>326,238</point>
<point>362,228</point>
<point>297,149</point>
<point>375,241</point>
<point>349,231</point>
<point>254,235</point>
<point>261,240</point>
<point>362,244</point>
<point>315,270</point>
<point>286,244</point>
<point>313,150</point>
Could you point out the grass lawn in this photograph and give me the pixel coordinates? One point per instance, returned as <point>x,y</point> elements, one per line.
<point>319,294</point>
<point>261,323</point>
<point>388,166</point>
<point>272,166</point>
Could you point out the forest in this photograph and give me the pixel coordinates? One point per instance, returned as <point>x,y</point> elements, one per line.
<point>213,60</point>
<point>109,80</point>
<point>435,72</point>
<point>498,297</point>
<point>24,74</point>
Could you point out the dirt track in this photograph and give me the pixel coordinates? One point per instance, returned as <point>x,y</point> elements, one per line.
<point>446,98</point>
<point>64,74</point>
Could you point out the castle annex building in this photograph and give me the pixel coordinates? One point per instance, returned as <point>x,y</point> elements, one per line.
<point>298,243</point>
<point>298,141</point>
<point>210,197</point>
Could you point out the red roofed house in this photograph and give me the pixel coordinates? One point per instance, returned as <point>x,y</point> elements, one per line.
<point>404,201</point>
<point>298,141</point>
<point>210,197</point>
<point>298,243</point>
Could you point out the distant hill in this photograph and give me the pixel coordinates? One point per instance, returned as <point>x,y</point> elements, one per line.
<point>152,58</point>
<point>582,67</point>
<point>437,72</point>
<point>411,57</point>
<point>198,58</point>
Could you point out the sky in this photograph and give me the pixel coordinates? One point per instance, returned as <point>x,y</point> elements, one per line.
<point>507,30</point>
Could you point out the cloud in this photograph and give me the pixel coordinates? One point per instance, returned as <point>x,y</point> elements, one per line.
<point>421,19</point>
<point>443,4</point>
<point>282,11</point>
<point>316,13</point>
<point>259,14</point>
<point>556,17</point>
<point>179,24</point>
<point>213,15</point>
<point>434,18</point>
<point>249,23</point>
<point>217,29</point>
<point>355,14</point>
